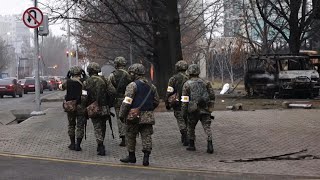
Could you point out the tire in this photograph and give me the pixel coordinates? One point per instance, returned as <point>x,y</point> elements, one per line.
<point>25,92</point>
<point>14,95</point>
<point>21,95</point>
<point>41,92</point>
<point>1,96</point>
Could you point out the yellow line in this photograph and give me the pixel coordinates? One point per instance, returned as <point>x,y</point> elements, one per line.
<point>110,164</point>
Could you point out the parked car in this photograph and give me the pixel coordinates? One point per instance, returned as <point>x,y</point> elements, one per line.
<point>10,86</point>
<point>46,83</point>
<point>29,86</point>
<point>282,75</point>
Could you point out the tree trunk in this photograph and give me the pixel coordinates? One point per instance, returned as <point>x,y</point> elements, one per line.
<point>167,46</point>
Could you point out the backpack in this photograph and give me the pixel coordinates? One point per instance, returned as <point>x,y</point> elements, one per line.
<point>199,96</point>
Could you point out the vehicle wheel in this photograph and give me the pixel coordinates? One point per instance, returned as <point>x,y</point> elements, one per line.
<point>21,95</point>
<point>50,89</point>
<point>1,96</point>
<point>41,92</point>
<point>25,92</point>
<point>14,95</point>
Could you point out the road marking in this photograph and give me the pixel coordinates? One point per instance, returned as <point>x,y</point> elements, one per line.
<point>111,164</point>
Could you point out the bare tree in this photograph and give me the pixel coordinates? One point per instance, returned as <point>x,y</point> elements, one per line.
<point>53,50</point>
<point>298,15</point>
<point>4,55</point>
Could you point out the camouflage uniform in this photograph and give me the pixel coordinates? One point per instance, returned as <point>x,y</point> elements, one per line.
<point>99,89</point>
<point>175,87</point>
<point>135,91</point>
<point>120,78</point>
<point>76,120</point>
<point>195,110</point>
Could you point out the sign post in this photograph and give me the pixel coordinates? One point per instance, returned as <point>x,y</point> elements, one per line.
<point>33,18</point>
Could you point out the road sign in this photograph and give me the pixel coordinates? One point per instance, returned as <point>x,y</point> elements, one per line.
<point>32,17</point>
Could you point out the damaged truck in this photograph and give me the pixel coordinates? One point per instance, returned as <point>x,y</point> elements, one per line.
<point>274,76</point>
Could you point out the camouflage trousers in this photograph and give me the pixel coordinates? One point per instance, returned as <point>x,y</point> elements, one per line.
<point>145,130</point>
<point>121,126</point>
<point>206,124</point>
<point>99,126</point>
<point>76,125</point>
<point>181,122</point>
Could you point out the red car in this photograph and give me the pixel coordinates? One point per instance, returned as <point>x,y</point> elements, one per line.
<point>10,87</point>
<point>29,85</point>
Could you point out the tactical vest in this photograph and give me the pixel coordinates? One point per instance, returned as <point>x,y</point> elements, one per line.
<point>141,96</point>
<point>74,91</point>
<point>122,79</point>
<point>198,93</point>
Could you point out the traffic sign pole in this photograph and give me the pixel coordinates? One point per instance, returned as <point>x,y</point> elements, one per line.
<point>36,66</point>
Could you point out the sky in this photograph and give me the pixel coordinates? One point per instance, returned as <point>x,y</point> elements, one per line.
<point>12,7</point>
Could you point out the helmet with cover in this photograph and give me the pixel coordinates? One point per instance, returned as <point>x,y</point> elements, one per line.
<point>181,65</point>
<point>193,70</point>
<point>137,69</point>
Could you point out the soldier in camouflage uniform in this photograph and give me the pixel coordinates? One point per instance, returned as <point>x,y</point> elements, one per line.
<point>175,88</point>
<point>76,120</point>
<point>197,101</point>
<point>120,78</point>
<point>143,95</point>
<point>99,89</point>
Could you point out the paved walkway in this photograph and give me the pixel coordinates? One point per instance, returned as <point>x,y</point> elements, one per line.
<point>237,135</point>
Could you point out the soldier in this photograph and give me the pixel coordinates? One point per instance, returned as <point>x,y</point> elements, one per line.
<point>197,102</point>
<point>175,90</point>
<point>76,119</point>
<point>120,78</point>
<point>141,95</point>
<point>99,90</point>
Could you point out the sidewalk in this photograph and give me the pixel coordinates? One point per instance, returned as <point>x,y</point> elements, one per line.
<point>56,96</point>
<point>237,135</point>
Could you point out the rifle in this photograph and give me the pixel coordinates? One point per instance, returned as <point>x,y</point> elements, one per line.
<point>110,123</point>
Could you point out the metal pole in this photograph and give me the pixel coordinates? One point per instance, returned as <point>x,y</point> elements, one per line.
<point>37,83</point>
<point>68,34</point>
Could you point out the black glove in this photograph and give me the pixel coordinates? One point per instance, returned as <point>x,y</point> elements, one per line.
<point>168,107</point>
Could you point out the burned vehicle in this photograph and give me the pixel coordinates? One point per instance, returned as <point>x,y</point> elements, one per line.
<point>281,75</point>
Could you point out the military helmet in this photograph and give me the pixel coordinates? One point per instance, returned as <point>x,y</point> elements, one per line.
<point>193,69</point>
<point>94,67</point>
<point>75,70</point>
<point>181,65</point>
<point>137,68</point>
<point>120,61</point>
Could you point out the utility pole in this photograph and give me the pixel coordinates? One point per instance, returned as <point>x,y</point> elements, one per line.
<point>68,34</point>
<point>37,78</point>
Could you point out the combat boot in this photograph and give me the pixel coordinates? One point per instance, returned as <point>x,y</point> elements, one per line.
<point>146,158</point>
<point>72,144</point>
<point>129,159</point>
<point>101,150</point>
<point>191,145</point>
<point>78,148</point>
<point>123,141</point>
<point>210,147</point>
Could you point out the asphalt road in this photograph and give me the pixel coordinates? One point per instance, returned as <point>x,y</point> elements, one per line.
<point>24,103</point>
<point>23,167</point>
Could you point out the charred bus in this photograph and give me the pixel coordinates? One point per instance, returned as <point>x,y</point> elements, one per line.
<point>281,75</point>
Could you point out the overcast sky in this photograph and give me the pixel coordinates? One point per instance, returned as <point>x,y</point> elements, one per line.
<point>11,7</point>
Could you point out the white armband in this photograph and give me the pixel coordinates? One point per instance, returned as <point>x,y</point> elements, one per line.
<point>127,100</point>
<point>184,98</point>
<point>84,92</point>
<point>170,89</point>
